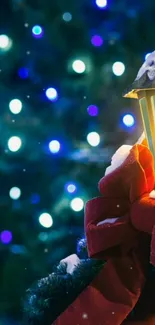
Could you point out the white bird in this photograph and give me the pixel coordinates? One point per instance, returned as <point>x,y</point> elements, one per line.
<point>148,66</point>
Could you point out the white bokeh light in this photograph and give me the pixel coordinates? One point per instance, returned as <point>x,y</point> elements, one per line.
<point>71,188</point>
<point>54,146</point>
<point>15,193</point>
<point>46,220</point>
<point>118,68</point>
<point>5,42</point>
<point>93,139</point>
<point>77,204</point>
<point>52,94</point>
<point>128,120</point>
<point>79,66</point>
<point>14,144</point>
<point>101,3</point>
<point>15,106</point>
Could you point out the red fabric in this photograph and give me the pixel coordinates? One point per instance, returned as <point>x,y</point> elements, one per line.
<point>101,302</point>
<point>102,238</point>
<point>149,321</point>
<point>143,214</point>
<point>133,178</point>
<point>112,295</point>
<point>152,256</point>
<point>143,207</point>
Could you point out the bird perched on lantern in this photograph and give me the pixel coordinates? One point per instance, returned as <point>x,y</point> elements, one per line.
<point>143,89</point>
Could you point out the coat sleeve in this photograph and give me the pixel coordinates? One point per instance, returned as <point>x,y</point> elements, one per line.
<point>143,214</point>
<point>103,239</point>
<point>121,191</point>
<point>143,219</point>
<point>109,298</point>
<point>134,178</point>
<point>141,180</point>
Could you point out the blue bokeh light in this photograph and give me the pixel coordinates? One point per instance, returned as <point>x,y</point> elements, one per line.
<point>97,40</point>
<point>6,236</point>
<point>18,249</point>
<point>128,120</point>
<point>35,198</point>
<point>37,31</point>
<point>23,73</point>
<point>52,94</point>
<point>54,146</point>
<point>71,188</point>
<point>92,110</point>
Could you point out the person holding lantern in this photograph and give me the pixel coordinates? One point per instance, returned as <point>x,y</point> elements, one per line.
<point>116,284</point>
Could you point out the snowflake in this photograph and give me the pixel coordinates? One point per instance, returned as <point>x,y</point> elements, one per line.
<point>84,316</point>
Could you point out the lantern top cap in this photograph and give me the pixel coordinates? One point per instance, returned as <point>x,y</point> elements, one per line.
<point>145,79</point>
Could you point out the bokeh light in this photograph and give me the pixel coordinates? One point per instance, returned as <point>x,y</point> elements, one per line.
<point>118,68</point>
<point>6,237</point>
<point>23,73</point>
<point>5,42</point>
<point>37,31</point>
<point>92,110</point>
<point>15,106</point>
<point>78,66</point>
<point>93,139</point>
<point>67,16</point>
<point>71,188</point>
<point>97,40</point>
<point>18,249</point>
<point>46,220</point>
<point>43,236</point>
<point>35,198</point>
<point>101,3</point>
<point>15,193</point>
<point>128,120</point>
<point>54,146</point>
<point>77,204</point>
<point>52,94</point>
<point>14,144</point>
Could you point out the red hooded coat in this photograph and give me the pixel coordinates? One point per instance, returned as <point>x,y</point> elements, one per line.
<point>113,294</point>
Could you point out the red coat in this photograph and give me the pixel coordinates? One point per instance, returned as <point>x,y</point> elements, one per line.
<point>113,294</point>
